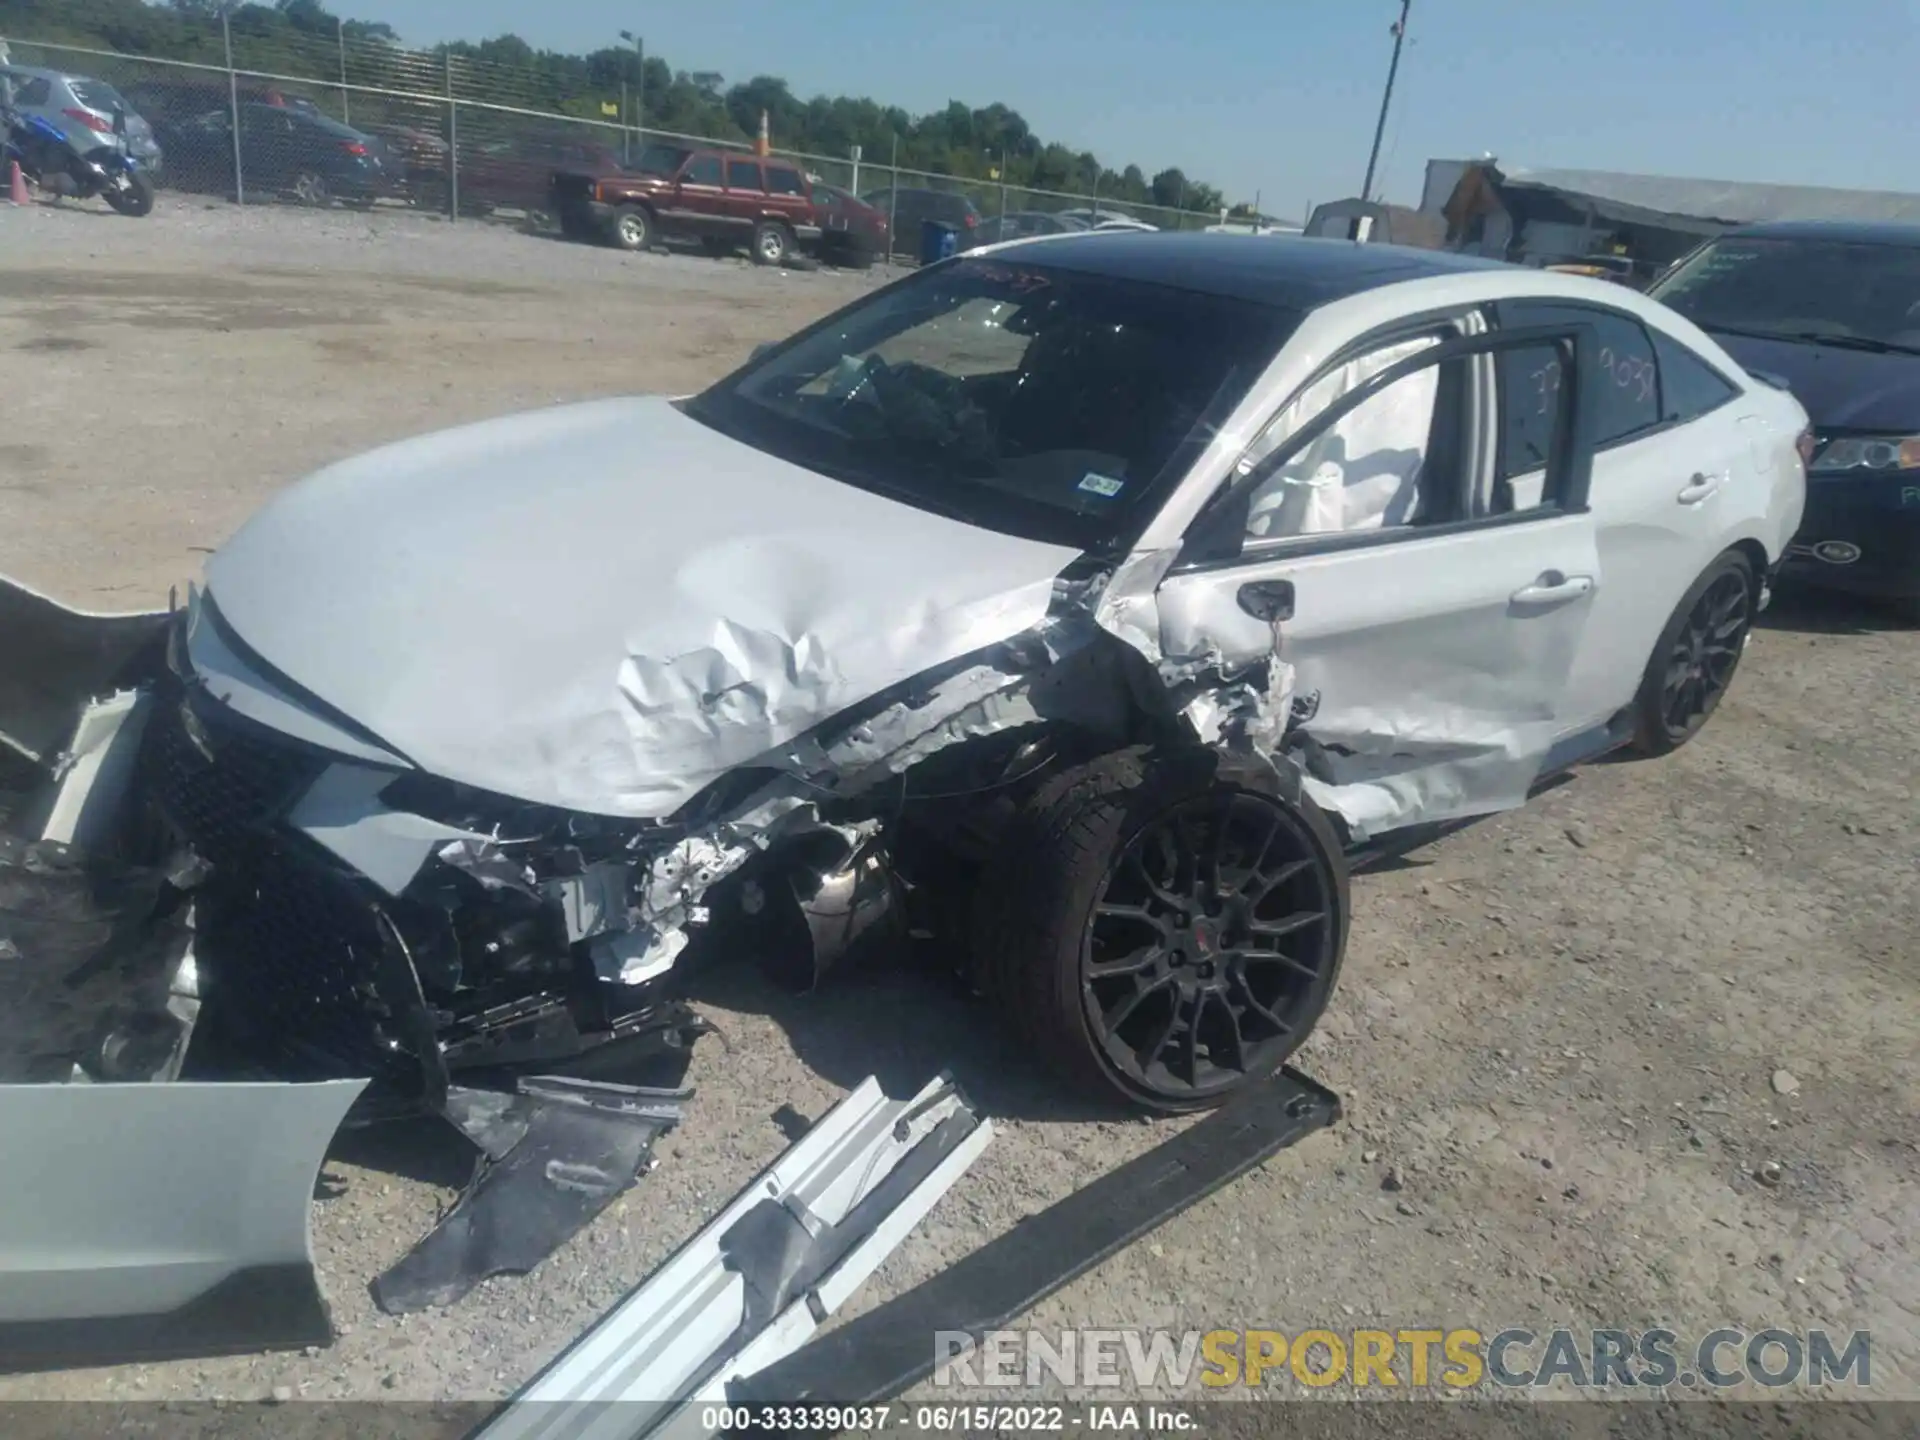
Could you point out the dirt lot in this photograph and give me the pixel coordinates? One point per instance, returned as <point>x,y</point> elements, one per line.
<point>1558,1030</point>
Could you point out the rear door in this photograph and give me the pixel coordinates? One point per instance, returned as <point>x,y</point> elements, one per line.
<point>746,193</point>
<point>1669,458</point>
<point>1431,643</point>
<point>788,200</point>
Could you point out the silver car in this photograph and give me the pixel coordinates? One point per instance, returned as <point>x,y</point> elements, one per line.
<point>79,105</point>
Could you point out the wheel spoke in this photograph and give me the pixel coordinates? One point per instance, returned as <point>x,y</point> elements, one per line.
<point>1157,1041</point>
<point>1259,860</point>
<point>1252,1003</point>
<point>1110,911</point>
<point>1115,1015</point>
<point>1292,925</point>
<point>1278,957</point>
<point>1155,888</point>
<point>1132,964</point>
<point>1280,877</point>
<point>1236,1041</point>
<point>1192,1045</point>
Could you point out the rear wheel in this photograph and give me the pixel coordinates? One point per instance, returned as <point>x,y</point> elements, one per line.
<point>772,243</point>
<point>310,188</point>
<point>1696,657</point>
<point>1159,933</point>
<point>632,228</point>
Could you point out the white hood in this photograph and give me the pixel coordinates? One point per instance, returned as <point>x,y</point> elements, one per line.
<point>606,606</point>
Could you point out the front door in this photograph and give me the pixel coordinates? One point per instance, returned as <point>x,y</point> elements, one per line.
<point>1431,640</point>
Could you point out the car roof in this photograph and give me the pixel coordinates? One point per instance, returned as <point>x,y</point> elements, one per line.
<point>40,72</point>
<point>1294,271</point>
<point>1853,232</point>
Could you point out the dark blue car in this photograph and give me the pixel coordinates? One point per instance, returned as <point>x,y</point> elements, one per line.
<point>1833,310</point>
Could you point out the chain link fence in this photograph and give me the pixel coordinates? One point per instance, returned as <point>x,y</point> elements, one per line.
<point>374,126</point>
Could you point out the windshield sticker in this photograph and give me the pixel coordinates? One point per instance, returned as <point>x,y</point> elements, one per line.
<point>1105,486</point>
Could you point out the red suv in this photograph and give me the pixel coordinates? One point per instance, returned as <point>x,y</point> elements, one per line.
<point>723,198</point>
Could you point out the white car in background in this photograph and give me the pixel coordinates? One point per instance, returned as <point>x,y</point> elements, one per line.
<point>1103,597</point>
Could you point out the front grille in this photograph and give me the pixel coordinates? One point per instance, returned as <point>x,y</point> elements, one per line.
<point>289,945</point>
<point>226,799</point>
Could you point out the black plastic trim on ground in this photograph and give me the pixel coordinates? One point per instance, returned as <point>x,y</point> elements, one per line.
<point>268,1307</point>
<point>880,1354</point>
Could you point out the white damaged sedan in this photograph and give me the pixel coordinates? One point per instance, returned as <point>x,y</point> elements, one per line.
<point>1090,602</point>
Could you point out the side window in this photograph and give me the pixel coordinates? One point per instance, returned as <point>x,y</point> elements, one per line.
<point>1530,380</point>
<point>34,93</point>
<point>1371,469</point>
<point>744,175</point>
<point>702,170</point>
<point>1624,390</point>
<point>1689,386</point>
<point>782,181</point>
<point>825,198</point>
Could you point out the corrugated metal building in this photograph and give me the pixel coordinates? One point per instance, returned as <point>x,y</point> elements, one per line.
<point>1550,216</point>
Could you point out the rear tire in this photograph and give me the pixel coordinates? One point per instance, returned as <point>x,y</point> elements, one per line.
<point>1159,932</point>
<point>310,188</point>
<point>1696,657</point>
<point>632,228</point>
<point>772,243</point>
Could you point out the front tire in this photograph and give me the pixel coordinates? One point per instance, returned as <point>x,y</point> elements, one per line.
<point>632,228</point>
<point>1696,656</point>
<point>132,196</point>
<point>1160,933</point>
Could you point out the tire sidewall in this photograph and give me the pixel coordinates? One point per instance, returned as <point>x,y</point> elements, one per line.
<point>1167,780</point>
<point>1650,725</point>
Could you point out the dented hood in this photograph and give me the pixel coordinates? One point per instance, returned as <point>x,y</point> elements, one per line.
<point>606,606</point>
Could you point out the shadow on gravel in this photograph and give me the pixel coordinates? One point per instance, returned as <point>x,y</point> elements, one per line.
<point>1826,612</point>
<point>903,1022</point>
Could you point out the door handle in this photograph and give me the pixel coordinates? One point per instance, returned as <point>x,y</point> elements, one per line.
<point>1269,600</point>
<point>1553,588</point>
<point>1699,488</point>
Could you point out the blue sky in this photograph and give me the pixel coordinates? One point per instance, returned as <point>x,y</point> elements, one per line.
<point>1280,96</point>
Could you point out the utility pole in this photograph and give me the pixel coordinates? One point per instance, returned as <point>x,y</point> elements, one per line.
<point>639,89</point>
<point>1386,100</point>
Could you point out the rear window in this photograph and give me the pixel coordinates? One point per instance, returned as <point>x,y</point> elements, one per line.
<point>1023,398</point>
<point>1801,289</point>
<point>97,95</point>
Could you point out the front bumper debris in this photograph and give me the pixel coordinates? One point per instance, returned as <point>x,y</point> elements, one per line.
<point>761,1278</point>
<point>552,1157</point>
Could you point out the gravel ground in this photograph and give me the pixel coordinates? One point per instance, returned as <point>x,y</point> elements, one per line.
<point>1557,1032</point>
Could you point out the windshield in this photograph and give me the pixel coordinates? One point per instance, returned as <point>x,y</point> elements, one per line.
<point>1838,290</point>
<point>1018,397</point>
<point>660,160</point>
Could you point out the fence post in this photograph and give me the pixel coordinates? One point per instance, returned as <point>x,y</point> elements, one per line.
<point>893,204</point>
<point>346,106</point>
<point>855,186</point>
<point>626,122</point>
<point>453,148</point>
<point>233,110</point>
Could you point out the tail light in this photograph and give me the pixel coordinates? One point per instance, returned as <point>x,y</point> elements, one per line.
<point>1804,444</point>
<point>90,120</point>
<point>972,220</point>
<point>353,147</point>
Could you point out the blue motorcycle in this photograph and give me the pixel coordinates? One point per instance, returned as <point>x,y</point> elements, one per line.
<point>49,161</point>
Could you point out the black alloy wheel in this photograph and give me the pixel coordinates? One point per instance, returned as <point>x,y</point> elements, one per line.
<point>1693,663</point>
<point>1211,947</point>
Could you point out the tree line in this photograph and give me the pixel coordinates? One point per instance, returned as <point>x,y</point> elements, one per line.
<point>304,38</point>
